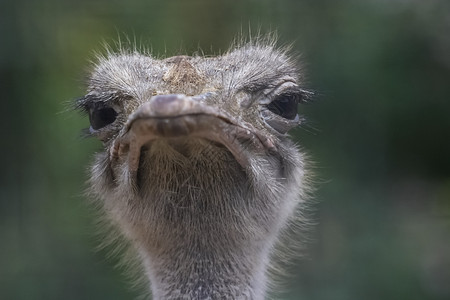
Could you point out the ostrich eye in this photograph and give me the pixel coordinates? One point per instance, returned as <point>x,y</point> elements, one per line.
<point>102,116</point>
<point>284,106</point>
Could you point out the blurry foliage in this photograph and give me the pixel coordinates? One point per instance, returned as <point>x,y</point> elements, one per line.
<point>378,131</point>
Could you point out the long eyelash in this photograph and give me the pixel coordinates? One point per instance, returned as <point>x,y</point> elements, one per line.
<point>86,102</point>
<point>306,96</point>
<point>293,94</point>
<point>82,104</point>
<point>303,96</point>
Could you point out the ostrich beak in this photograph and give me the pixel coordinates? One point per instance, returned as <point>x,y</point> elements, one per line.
<point>178,116</point>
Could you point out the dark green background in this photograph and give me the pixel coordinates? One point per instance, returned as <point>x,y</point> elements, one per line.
<point>379,133</point>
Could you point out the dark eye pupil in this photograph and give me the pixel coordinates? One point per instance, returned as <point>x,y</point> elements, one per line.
<point>284,106</point>
<point>101,117</point>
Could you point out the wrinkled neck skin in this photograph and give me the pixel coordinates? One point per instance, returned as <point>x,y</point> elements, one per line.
<point>203,225</point>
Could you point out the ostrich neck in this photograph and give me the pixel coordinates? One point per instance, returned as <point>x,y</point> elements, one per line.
<point>193,271</point>
<point>209,253</point>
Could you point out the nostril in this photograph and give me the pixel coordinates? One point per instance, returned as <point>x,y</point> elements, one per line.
<point>164,99</point>
<point>165,105</point>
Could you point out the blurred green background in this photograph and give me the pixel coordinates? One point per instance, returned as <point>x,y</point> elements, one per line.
<point>379,133</point>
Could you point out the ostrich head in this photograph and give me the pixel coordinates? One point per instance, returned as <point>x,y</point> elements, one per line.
<point>197,171</point>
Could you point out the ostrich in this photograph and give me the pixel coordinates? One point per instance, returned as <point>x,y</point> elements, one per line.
<point>198,174</point>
